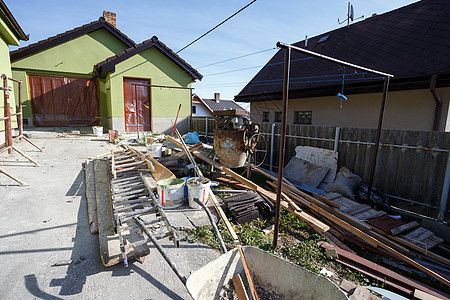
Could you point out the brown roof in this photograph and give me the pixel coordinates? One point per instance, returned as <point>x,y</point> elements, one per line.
<point>213,106</point>
<point>12,23</point>
<point>109,64</point>
<point>67,36</point>
<point>411,42</point>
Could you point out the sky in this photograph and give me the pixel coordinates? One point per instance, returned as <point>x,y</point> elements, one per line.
<point>255,30</point>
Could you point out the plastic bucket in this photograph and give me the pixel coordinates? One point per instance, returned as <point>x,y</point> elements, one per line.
<point>198,189</point>
<point>156,150</point>
<point>170,192</point>
<point>98,130</point>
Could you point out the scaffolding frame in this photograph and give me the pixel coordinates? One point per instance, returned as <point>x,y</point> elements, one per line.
<point>8,146</point>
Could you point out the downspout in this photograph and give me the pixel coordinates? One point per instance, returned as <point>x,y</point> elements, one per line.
<point>438,109</point>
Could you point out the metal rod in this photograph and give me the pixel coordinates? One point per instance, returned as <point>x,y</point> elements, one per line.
<point>377,139</point>
<point>336,139</point>
<point>7,114</point>
<point>287,67</point>
<point>159,248</point>
<point>136,112</point>
<point>176,119</point>
<point>330,59</point>
<point>206,128</point>
<point>189,155</point>
<point>20,108</point>
<point>164,86</point>
<point>444,194</point>
<point>272,143</point>
<point>216,230</point>
<point>13,178</point>
<point>362,143</point>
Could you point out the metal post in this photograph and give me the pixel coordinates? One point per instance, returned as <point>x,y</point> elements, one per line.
<point>7,114</point>
<point>206,128</point>
<point>377,140</point>
<point>272,142</point>
<point>287,66</point>
<point>444,194</point>
<point>336,139</point>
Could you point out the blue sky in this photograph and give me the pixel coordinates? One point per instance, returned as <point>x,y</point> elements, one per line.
<point>177,23</point>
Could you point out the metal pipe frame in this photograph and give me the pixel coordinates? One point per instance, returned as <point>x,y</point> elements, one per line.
<point>287,67</point>
<point>288,48</point>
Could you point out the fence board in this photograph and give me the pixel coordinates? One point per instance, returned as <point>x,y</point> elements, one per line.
<point>414,174</point>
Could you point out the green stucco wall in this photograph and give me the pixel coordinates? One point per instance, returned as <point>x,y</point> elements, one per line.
<point>75,58</point>
<point>5,68</point>
<point>160,70</point>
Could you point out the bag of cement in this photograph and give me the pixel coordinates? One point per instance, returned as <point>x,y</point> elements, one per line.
<point>346,183</point>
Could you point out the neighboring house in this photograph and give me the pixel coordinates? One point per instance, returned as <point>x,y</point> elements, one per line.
<point>205,107</point>
<point>91,75</point>
<point>411,42</point>
<point>11,33</point>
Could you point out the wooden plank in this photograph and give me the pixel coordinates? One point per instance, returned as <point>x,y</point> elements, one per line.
<point>417,248</point>
<point>109,243</point>
<point>373,239</point>
<point>247,273</point>
<point>327,201</point>
<point>384,272</point>
<point>424,296</point>
<point>360,293</point>
<point>347,286</point>
<point>369,214</point>
<point>239,287</point>
<point>203,157</point>
<point>90,196</point>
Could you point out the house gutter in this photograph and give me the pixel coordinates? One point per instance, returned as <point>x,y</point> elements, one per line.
<point>437,98</point>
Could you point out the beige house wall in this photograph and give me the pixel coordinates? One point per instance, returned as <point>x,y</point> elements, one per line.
<point>410,110</point>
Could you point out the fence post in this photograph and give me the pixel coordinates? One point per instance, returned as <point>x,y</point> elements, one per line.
<point>445,189</point>
<point>206,127</point>
<point>336,139</point>
<point>272,142</point>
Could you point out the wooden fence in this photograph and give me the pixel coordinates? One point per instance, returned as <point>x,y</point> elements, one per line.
<point>411,165</point>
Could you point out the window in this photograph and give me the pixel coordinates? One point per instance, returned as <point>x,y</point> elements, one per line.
<point>194,109</point>
<point>265,117</point>
<point>303,117</point>
<point>277,116</point>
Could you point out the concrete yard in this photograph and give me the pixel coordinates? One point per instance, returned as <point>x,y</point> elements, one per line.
<point>46,223</point>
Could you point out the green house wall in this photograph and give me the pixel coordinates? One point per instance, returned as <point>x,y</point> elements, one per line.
<point>153,65</point>
<point>75,58</point>
<point>7,38</point>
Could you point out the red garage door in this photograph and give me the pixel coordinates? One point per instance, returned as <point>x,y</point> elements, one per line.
<point>64,101</point>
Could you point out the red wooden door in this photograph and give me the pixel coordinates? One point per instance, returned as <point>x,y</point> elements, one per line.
<point>63,101</point>
<point>137,104</point>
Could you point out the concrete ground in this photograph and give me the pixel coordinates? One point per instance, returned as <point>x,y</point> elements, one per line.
<point>46,223</point>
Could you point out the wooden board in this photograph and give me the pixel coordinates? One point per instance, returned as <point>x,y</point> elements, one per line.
<point>90,196</point>
<point>239,287</point>
<point>109,243</point>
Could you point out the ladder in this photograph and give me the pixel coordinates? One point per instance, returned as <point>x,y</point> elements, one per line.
<point>133,198</point>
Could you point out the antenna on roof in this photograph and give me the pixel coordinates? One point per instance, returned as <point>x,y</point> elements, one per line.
<point>350,15</point>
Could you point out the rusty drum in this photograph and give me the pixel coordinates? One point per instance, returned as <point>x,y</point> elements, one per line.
<point>230,147</point>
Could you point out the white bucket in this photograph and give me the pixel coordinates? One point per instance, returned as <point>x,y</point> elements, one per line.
<point>198,189</point>
<point>170,192</point>
<point>156,150</point>
<point>98,130</point>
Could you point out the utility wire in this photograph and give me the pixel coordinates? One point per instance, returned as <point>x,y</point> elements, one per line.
<point>215,26</point>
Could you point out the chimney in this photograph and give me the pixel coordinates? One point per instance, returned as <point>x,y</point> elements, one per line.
<point>110,17</point>
<point>217,97</point>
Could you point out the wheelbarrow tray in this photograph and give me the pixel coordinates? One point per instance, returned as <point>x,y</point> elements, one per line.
<point>277,276</point>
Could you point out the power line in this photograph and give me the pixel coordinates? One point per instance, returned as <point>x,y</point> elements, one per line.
<point>215,26</point>
<point>218,62</point>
